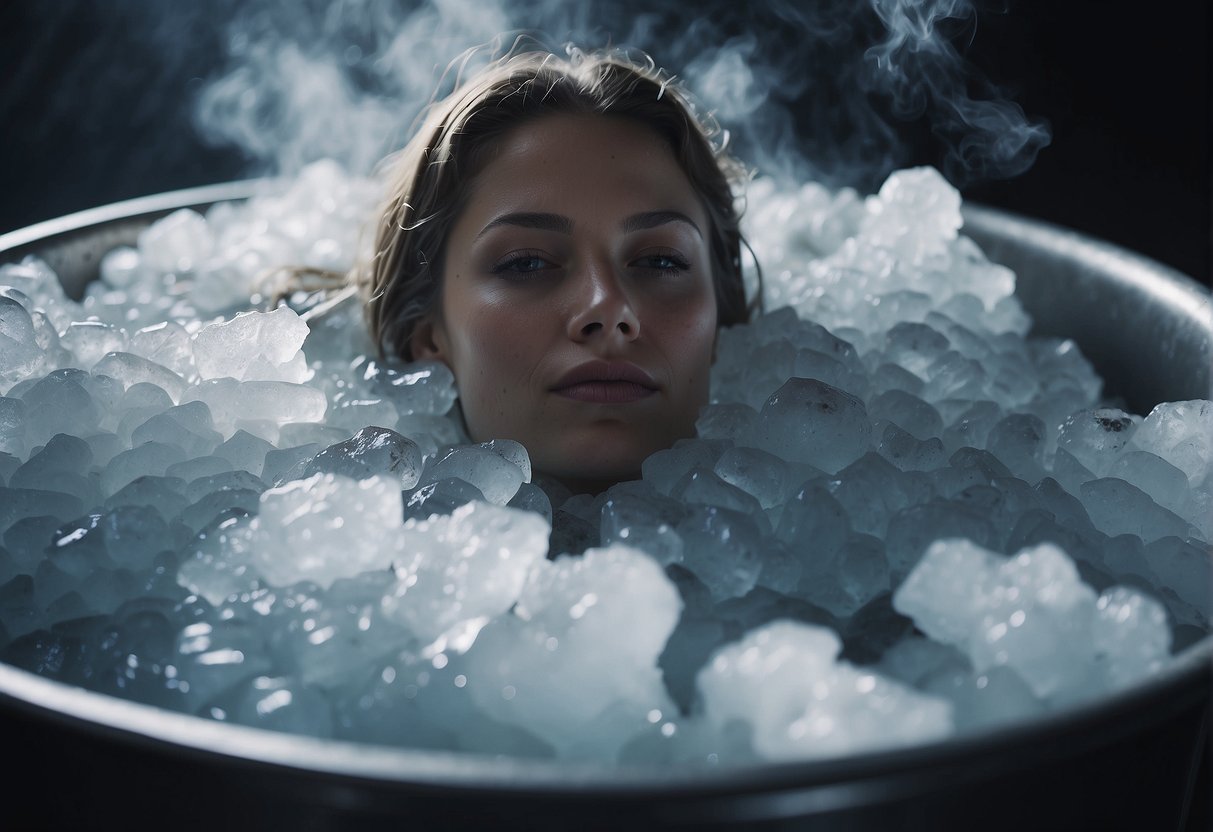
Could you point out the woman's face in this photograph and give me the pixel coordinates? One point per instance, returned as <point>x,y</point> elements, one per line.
<point>577,308</point>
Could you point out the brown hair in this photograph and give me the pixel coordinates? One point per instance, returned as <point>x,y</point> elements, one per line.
<point>431,177</point>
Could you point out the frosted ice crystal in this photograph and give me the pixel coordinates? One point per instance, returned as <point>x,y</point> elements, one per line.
<point>784,683</point>
<point>253,345</point>
<point>465,566</point>
<point>303,530</point>
<point>554,666</point>
<point>1032,614</point>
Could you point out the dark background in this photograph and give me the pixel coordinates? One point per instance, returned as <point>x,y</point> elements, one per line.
<point>96,101</point>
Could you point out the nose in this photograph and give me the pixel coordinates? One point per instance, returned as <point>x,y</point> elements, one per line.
<point>602,308</point>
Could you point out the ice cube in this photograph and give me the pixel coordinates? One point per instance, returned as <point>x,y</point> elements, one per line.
<point>762,475</point>
<point>494,475</point>
<point>664,469</point>
<point>1096,437</point>
<point>245,452</point>
<point>1182,434</point>
<point>301,531</point>
<point>809,421</point>
<point>253,346</point>
<point>643,522</point>
<point>149,458</point>
<point>166,343</point>
<point>784,683</point>
<point>1116,507</point>
<point>187,426</point>
<point>915,214</point>
<point>555,665</point>
<point>464,567</point>
<point>722,548</point>
<point>90,341</point>
<point>180,242</point>
<point>129,369</point>
<point>371,452</point>
<point>259,405</point>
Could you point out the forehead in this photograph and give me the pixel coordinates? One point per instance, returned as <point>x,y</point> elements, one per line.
<point>583,166</point>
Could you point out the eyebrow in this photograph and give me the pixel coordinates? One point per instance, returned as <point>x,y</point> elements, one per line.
<point>564,225</point>
<point>652,219</point>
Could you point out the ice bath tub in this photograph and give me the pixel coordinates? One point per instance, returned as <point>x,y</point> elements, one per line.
<point>1132,760</point>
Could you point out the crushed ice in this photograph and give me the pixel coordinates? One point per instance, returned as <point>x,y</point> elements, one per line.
<point>900,519</point>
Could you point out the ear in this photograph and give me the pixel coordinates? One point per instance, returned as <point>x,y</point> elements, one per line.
<point>428,341</point>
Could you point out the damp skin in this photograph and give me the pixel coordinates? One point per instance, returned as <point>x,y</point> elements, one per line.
<point>577,310</point>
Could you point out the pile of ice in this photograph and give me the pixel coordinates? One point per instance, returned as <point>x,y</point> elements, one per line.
<point>900,518</point>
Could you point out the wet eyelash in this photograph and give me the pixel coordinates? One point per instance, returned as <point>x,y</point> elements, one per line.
<point>509,264</point>
<point>678,264</point>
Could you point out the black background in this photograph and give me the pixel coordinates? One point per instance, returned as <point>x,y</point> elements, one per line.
<point>95,108</point>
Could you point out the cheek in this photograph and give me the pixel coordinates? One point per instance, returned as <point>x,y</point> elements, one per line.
<point>692,338</point>
<point>491,357</point>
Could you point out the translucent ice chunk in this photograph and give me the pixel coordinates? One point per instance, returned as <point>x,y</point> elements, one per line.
<point>371,452</point>
<point>908,412</point>
<point>1116,507</point>
<point>257,404</point>
<point>148,458</point>
<point>422,387</point>
<point>645,523</point>
<point>760,474</point>
<point>725,421</point>
<point>12,426</point>
<point>59,403</point>
<point>1018,441</point>
<point>166,343</point>
<point>1166,484</point>
<point>1182,434</point>
<point>1096,437</point>
<point>131,369</point>
<point>914,347</point>
<point>723,549</point>
<point>664,469</point>
<point>19,352</point>
<point>187,426</point>
<point>809,421</point>
<point>245,451</point>
<point>121,267</point>
<point>160,493</point>
<point>90,341</point>
<point>492,473</point>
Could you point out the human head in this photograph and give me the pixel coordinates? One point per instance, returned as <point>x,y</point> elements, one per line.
<point>435,176</point>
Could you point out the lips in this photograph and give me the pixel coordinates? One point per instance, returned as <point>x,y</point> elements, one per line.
<point>606,382</point>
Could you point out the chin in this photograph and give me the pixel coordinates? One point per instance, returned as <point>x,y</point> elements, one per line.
<point>593,473</point>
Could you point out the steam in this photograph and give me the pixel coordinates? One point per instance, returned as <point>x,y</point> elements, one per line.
<point>340,80</point>
<point>987,137</point>
<point>806,90</point>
